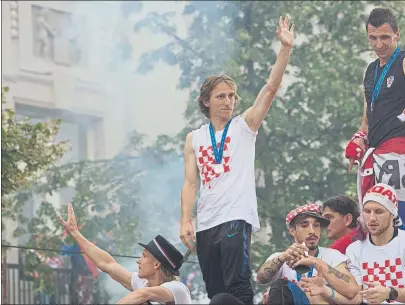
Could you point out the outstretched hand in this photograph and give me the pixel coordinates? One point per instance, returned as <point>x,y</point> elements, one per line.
<point>285,33</point>
<point>70,225</point>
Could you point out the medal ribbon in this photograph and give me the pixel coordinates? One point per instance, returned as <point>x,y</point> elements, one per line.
<point>377,86</point>
<point>218,154</point>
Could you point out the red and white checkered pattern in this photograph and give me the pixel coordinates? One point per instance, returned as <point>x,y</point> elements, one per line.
<point>292,280</point>
<point>309,207</point>
<point>390,273</point>
<point>359,135</point>
<point>205,158</point>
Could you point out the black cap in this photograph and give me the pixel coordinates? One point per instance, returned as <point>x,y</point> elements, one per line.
<point>165,253</point>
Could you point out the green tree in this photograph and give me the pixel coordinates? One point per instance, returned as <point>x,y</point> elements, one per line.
<point>27,150</point>
<point>115,201</point>
<point>300,146</point>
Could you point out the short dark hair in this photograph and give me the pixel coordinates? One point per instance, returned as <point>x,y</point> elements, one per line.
<point>343,205</point>
<point>379,16</point>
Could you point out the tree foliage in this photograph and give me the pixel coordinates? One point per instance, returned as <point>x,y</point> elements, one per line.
<point>27,150</point>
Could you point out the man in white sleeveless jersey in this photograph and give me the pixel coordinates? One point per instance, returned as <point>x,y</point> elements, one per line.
<point>222,154</point>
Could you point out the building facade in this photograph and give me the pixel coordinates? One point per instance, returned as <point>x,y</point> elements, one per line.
<point>54,61</point>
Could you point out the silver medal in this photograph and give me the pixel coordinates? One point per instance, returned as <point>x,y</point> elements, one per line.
<point>218,168</point>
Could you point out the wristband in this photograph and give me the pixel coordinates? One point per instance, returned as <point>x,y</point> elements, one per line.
<point>332,297</point>
<point>359,135</point>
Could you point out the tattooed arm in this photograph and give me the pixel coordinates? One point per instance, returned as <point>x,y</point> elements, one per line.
<point>339,278</point>
<point>269,271</point>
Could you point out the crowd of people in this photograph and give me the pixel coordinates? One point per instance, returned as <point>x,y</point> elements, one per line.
<point>365,262</point>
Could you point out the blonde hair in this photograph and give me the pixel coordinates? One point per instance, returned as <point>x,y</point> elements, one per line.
<point>167,275</point>
<point>209,84</point>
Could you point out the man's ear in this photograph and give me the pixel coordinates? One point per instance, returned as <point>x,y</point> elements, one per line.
<point>292,231</point>
<point>206,103</point>
<point>348,218</point>
<point>157,264</point>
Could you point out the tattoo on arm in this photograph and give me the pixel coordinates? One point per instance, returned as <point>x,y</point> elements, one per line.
<point>339,275</point>
<point>269,270</point>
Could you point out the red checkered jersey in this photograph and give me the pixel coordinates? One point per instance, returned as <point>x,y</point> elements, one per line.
<point>385,264</point>
<point>228,194</point>
<point>342,243</point>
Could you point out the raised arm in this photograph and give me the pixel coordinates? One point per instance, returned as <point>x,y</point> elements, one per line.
<point>255,115</point>
<point>103,260</point>
<point>188,193</point>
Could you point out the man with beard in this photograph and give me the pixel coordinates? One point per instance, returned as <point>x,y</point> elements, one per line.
<point>378,262</point>
<point>285,271</point>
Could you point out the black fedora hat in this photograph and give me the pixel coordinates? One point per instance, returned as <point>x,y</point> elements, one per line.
<point>165,253</point>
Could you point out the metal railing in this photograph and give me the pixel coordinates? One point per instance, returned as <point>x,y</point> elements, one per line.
<point>19,288</point>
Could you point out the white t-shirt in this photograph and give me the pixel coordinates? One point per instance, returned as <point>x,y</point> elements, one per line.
<point>330,256</point>
<point>180,291</point>
<point>385,264</point>
<point>230,195</point>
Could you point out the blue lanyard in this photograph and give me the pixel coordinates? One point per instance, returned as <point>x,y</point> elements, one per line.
<point>218,154</point>
<point>311,269</point>
<point>382,76</point>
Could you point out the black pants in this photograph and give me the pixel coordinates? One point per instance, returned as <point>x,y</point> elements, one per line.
<point>224,256</point>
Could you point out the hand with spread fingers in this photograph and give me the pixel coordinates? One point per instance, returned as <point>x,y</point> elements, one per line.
<point>70,225</point>
<point>375,293</point>
<point>284,33</point>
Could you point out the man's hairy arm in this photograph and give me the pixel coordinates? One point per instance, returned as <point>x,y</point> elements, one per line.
<point>340,279</point>
<point>255,115</point>
<point>268,271</point>
<point>103,260</point>
<point>364,120</point>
